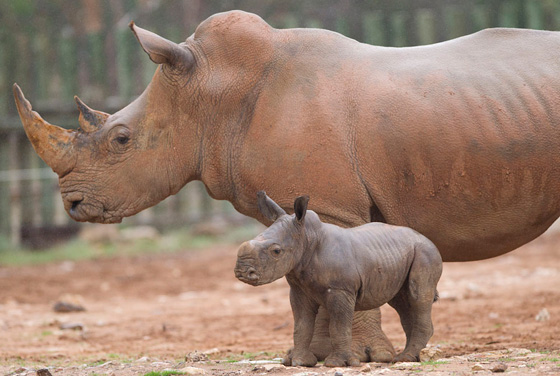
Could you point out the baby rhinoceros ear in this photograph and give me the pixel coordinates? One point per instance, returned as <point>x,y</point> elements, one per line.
<point>300,207</point>
<point>268,208</point>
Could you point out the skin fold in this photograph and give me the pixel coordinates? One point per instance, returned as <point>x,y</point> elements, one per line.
<point>343,270</point>
<point>458,140</point>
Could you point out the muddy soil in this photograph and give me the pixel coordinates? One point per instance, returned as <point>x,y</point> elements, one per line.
<point>145,313</point>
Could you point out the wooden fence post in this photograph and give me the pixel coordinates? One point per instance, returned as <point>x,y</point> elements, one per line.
<point>36,189</point>
<point>15,190</point>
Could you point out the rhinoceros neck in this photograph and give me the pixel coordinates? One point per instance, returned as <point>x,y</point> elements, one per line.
<point>223,144</point>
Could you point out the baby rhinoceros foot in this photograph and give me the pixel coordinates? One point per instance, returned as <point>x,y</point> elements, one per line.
<point>299,359</point>
<point>342,360</point>
<point>406,357</point>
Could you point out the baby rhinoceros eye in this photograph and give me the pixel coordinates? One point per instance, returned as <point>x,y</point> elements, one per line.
<point>276,251</point>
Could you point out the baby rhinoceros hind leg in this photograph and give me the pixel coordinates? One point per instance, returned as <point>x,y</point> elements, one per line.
<point>414,301</point>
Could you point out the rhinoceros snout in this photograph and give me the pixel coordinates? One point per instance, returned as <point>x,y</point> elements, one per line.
<point>248,275</point>
<point>252,274</point>
<point>81,209</point>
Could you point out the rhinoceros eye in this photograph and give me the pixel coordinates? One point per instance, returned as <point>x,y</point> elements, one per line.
<point>120,136</point>
<point>276,251</point>
<point>122,139</point>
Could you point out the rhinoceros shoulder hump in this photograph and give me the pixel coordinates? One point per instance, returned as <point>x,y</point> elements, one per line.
<point>232,23</point>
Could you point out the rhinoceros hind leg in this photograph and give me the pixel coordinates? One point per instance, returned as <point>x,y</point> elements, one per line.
<point>369,343</point>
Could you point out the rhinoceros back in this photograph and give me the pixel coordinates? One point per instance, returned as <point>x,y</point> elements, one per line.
<point>461,141</point>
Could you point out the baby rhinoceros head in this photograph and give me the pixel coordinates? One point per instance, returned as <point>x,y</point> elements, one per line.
<point>275,252</point>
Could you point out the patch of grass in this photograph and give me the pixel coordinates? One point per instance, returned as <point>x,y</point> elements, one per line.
<point>74,250</point>
<point>540,351</point>
<point>434,362</point>
<point>551,360</point>
<point>233,358</point>
<point>97,363</point>
<point>164,373</point>
<point>46,333</point>
<point>258,355</point>
<point>119,357</point>
<point>507,360</point>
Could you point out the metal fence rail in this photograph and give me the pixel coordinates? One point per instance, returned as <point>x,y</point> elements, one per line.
<point>57,49</point>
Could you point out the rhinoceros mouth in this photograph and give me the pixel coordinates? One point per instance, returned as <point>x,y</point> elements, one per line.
<point>89,213</point>
<point>248,275</point>
<point>82,209</point>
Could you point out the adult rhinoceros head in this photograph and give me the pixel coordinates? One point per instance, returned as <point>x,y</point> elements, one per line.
<point>117,165</point>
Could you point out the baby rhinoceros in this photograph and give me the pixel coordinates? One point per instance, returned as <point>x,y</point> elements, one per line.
<point>343,270</point>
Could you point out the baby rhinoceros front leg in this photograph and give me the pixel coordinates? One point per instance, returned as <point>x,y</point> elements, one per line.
<point>304,311</point>
<point>340,306</point>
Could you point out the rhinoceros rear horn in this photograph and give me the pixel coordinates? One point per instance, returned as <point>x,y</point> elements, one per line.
<point>161,50</point>
<point>53,144</point>
<point>90,120</point>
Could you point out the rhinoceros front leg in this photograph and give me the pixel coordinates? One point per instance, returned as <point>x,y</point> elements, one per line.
<point>369,343</point>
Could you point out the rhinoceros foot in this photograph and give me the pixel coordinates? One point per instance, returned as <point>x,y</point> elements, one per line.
<point>406,357</point>
<point>342,359</point>
<point>299,358</point>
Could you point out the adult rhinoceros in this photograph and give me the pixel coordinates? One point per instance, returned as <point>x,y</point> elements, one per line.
<point>459,140</point>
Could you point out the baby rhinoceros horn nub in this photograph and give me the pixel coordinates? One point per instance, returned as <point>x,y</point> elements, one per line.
<point>90,120</point>
<point>53,144</point>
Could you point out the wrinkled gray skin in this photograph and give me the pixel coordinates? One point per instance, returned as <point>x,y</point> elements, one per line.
<point>343,270</point>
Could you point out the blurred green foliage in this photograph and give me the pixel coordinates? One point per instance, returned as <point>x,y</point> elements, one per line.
<point>78,249</point>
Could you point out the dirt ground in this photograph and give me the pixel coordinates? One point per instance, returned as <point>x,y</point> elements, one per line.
<point>145,313</point>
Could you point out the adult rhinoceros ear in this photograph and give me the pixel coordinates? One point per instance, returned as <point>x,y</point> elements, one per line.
<point>300,207</point>
<point>161,50</point>
<point>269,208</point>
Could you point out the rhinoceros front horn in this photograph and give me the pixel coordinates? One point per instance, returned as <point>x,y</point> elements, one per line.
<point>90,120</point>
<point>53,144</point>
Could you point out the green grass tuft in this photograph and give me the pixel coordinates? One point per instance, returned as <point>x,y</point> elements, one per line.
<point>507,360</point>
<point>433,362</point>
<point>164,373</point>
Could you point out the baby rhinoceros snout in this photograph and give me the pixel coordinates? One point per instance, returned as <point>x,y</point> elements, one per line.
<point>244,269</point>
<point>247,274</point>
